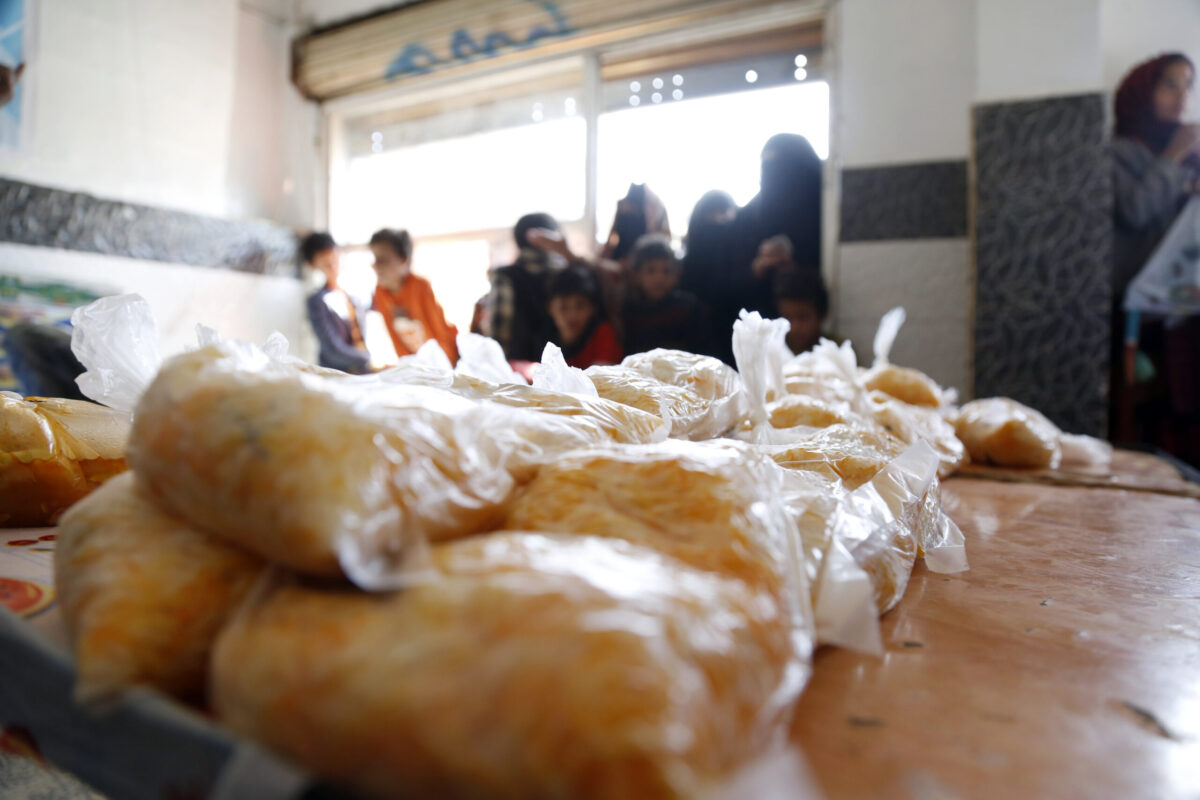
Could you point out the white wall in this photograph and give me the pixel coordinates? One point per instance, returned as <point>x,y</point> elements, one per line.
<point>907,73</point>
<point>237,305</point>
<point>1132,31</point>
<point>902,94</point>
<point>132,100</point>
<point>274,158</point>
<point>176,104</point>
<point>1037,48</point>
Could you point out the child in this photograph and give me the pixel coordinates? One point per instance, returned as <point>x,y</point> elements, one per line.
<point>405,300</point>
<point>579,325</point>
<point>657,313</point>
<point>802,300</point>
<point>332,312</point>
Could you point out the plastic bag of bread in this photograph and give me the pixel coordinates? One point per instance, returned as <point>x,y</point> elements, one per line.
<point>853,454</point>
<point>798,410</point>
<point>828,372</point>
<point>482,357</point>
<point>940,541</point>
<point>531,666</point>
<point>331,476</point>
<point>142,594</point>
<point>915,423</point>
<point>1005,433</point>
<point>760,349</point>
<point>53,452</point>
<point>841,592</point>
<point>903,383</point>
<point>892,511</point>
<point>712,505</point>
<point>699,396</point>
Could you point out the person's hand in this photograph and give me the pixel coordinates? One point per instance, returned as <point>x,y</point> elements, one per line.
<point>550,241</point>
<point>8,82</point>
<point>1185,142</point>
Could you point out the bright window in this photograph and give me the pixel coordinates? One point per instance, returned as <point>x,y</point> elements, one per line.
<point>681,150</point>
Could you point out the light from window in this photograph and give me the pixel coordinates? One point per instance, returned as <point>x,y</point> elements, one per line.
<point>479,182</point>
<point>681,150</point>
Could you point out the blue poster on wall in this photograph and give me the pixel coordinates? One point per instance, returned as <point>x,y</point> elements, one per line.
<point>14,36</point>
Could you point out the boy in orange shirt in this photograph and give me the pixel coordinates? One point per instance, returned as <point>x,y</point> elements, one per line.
<point>406,301</point>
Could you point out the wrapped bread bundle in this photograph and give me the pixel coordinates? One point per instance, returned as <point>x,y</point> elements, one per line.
<point>143,595</point>
<point>331,477</point>
<point>797,410</point>
<point>699,396</point>
<point>53,452</point>
<point>616,421</point>
<point>710,505</point>
<point>892,511</point>
<point>842,593</point>
<point>532,666</point>
<point>851,453</point>
<point>905,384</point>
<point>1000,431</point>
<point>920,423</point>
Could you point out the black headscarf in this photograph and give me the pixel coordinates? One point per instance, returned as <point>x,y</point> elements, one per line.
<point>708,243</point>
<point>789,202</point>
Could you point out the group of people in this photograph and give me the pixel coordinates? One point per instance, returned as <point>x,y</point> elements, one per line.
<point>636,295</point>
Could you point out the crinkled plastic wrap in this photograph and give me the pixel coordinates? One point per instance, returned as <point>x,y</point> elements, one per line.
<point>916,423</point>
<point>143,595</point>
<point>797,410</point>
<point>698,396</point>
<point>482,357</point>
<point>1000,431</point>
<point>892,510</point>
<point>332,476</point>
<point>53,452</point>
<point>760,349</point>
<point>712,505</point>
<point>613,421</point>
<point>533,666</point>
<point>849,453</point>
<point>842,594</point>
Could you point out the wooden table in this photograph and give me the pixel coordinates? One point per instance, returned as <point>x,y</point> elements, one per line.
<point>1064,664</point>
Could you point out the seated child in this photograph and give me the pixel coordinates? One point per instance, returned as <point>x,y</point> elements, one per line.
<point>657,313</point>
<point>802,300</point>
<point>333,314</point>
<point>580,329</point>
<point>406,301</point>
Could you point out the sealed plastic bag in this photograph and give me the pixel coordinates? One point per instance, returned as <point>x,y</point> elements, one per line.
<point>611,421</point>
<point>842,595</point>
<point>1005,433</point>
<point>849,453</point>
<point>903,383</point>
<point>53,452</point>
<point>712,505</point>
<point>330,476</point>
<point>1000,431</point>
<point>920,423</point>
<point>760,349</point>
<point>482,357</point>
<point>143,595</point>
<point>116,340</point>
<point>698,396</point>
<point>534,666</point>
